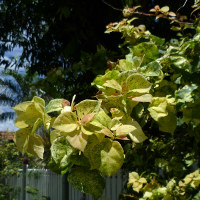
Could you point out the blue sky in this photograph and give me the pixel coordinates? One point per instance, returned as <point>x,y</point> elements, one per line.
<point>9,124</point>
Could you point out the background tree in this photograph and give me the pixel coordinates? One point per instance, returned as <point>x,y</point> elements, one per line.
<point>66,40</point>
<point>10,95</point>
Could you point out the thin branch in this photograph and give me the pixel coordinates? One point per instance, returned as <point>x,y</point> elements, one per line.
<point>182,5</point>
<point>149,14</point>
<point>118,9</point>
<point>165,17</point>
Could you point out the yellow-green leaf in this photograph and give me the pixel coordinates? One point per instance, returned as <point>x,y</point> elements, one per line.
<point>66,122</point>
<point>164,9</point>
<point>137,135</point>
<point>35,146</point>
<point>30,116</point>
<point>124,130</point>
<point>138,83</point>
<point>112,157</point>
<point>113,84</point>
<point>21,139</point>
<point>163,111</point>
<point>54,135</point>
<point>78,140</point>
<point>87,106</point>
<point>54,106</point>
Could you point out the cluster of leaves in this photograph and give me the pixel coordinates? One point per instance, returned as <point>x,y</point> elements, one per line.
<point>173,69</point>
<point>146,116</point>
<point>172,190</point>
<point>84,137</point>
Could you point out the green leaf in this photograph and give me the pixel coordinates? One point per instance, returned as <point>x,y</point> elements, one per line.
<point>66,122</point>
<point>35,146</point>
<point>125,65</point>
<point>54,105</point>
<point>61,151</point>
<point>124,130</point>
<point>86,107</point>
<point>77,140</point>
<point>147,49</point>
<point>136,134</point>
<point>113,84</point>
<point>101,79</point>
<point>157,40</point>
<point>80,160</point>
<point>21,107</point>
<point>54,134</point>
<point>36,125</point>
<point>102,120</point>
<point>21,139</point>
<point>151,69</point>
<point>136,181</point>
<point>91,153</point>
<point>87,181</point>
<point>112,157</point>
<point>28,142</point>
<point>185,94</point>
<point>181,63</point>
<point>90,128</point>
<point>137,83</point>
<point>163,111</point>
<point>39,101</point>
<point>54,167</point>
<point>30,116</point>
<point>165,9</point>
<point>142,98</point>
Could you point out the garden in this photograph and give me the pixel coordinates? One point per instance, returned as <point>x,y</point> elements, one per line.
<point>131,108</point>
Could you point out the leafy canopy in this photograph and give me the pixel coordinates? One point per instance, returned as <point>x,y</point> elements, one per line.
<point>146,118</point>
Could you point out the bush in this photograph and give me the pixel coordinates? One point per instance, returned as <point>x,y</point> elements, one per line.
<point>146,118</point>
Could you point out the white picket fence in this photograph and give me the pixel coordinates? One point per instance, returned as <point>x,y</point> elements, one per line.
<point>51,185</point>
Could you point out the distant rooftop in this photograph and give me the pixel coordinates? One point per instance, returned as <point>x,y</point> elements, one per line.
<point>7,135</point>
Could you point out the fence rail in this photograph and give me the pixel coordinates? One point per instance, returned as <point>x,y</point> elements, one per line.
<point>54,186</point>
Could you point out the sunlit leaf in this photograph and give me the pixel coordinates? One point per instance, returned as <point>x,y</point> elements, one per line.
<point>54,105</point>
<point>61,152</point>
<point>112,157</point>
<point>137,83</point>
<point>137,135</point>
<point>54,135</point>
<point>28,118</point>
<point>86,107</point>
<point>162,110</point>
<point>185,94</point>
<point>164,9</point>
<point>66,122</point>
<point>77,140</point>
<point>35,146</point>
<point>21,139</point>
<point>113,84</point>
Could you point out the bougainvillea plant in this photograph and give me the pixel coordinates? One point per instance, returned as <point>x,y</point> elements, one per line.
<point>146,118</point>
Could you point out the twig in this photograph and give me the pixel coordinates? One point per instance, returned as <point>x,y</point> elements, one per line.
<point>182,6</point>
<point>165,17</point>
<point>149,14</point>
<point>118,9</point>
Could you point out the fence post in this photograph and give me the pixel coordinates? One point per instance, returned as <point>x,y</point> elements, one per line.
<point>65,187</point>
<point>25,163</point>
